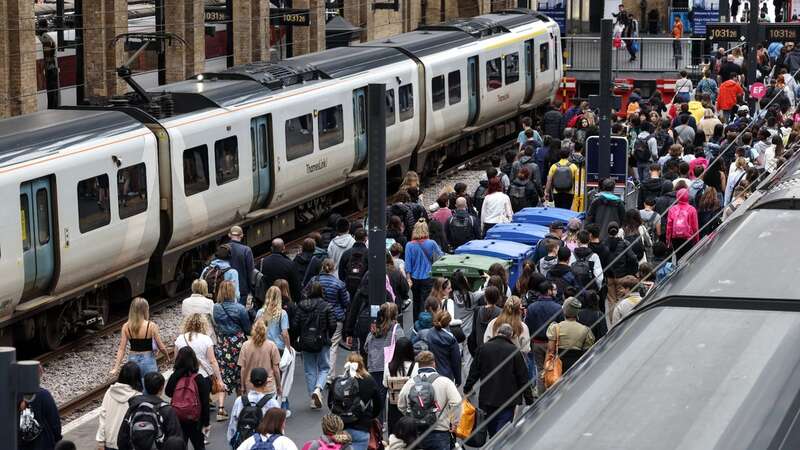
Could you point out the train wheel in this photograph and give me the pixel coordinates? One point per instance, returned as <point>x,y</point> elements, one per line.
<point>53,327</point>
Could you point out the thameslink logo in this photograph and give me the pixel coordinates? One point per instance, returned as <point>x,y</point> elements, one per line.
<point>319,165</point>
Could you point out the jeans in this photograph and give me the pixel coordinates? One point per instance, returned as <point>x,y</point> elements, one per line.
<point>539,350</point>
<point>563,199</point>
<point>146,362</point>
<point>533,372</point>
<point>360,439</point>
<point>500,420</point>
<point>316,367</point>
<point>436,440</point>
<point>335,340</point>
<point>420,289</point>
<point>643,170</point>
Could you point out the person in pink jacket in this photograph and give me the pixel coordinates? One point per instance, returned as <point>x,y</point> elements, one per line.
<point>682,224</point>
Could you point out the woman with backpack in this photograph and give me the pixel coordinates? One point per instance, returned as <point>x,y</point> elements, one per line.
<point>395,374</point>
<point>195,335</point>
<point>523,191</point>
<point>333,435</point>
<point>444,346</point>
<point>682,224</point>
<point>115,404</point>
<point>142,334</point>
<point>381,342</point>
<point>269,434</point>
<point>232,326</point>
<point>189,392</point>
<point>355,397</point>
<point>420,254</point>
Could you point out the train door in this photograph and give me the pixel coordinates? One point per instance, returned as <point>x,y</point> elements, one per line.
<point>261,143</point>
<point>360,127</point>
<point>37,242</point>
<point>529,72</point>
<point>473,86</point>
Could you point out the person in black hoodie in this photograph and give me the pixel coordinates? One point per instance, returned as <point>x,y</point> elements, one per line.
<point>606,207</point>
<point>591,316</point>
<point>170,425</point>
<point>523,192</point>
<point>651,187</point>
<point>553,121</point>
<point>186,365</point>
<point>359,317</point>
<point>303,259</point>
<point>358,252</point>
<point>663,203</point>
<point>561,274</point>
<point>277,265</point>
<point>329,232</point>
<point>624,261</point>
<point>315,312</point>
<point>45,412</point>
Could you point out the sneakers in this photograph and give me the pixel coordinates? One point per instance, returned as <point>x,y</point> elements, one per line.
<point>406,304</point>
<point>316,399</point>
<point>222,415</point>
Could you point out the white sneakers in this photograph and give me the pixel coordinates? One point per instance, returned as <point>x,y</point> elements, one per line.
<point>316,399</point>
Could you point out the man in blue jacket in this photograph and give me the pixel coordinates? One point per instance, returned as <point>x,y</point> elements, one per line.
<point>241,260</point>
<point>541,313</point>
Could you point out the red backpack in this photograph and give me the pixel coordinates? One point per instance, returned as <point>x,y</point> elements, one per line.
<point>681,228</point>
<point>186,399</point>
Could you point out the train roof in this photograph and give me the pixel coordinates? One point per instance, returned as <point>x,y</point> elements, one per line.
<point>32,136</point>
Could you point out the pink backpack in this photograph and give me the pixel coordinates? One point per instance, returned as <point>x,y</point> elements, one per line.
<point>186,399</point>
<point>681,228</point>
<point>321,444</point>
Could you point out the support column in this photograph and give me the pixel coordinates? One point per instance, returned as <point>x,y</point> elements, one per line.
<point>102,20</point>
<point>384,23</point>
<point>116,23</point>
<point>352,12</point>
<point>310,39</point>
<point>174,20</point>
<point>413,14</point>
<point>17,58</point>
<point>195,37</point>
<point>242,30</point>
<point>260,27</point>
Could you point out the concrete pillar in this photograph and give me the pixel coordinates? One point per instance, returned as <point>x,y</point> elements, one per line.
<point>242,30</point>
<point>102,20</point>
<point>116,23</point>
<point>174,20</point>
<point>413,14</point>
<point>194,35</point>
<point>310,39</point>
<point>17,58</point>
<point>352,12</point>
<point>260,27</point>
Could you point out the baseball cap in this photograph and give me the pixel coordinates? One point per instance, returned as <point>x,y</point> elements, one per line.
<point>258,376</point>
<point>744,108</point>
<point>557,225</point>
<point>236,230</point>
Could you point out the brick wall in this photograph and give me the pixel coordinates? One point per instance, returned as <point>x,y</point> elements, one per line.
<point>17,58</point>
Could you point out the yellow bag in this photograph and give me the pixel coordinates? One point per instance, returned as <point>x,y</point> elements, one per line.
<point>467,422</point>
<point>552,366</point>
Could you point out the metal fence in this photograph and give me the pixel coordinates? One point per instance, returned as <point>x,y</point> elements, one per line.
<point>653,55</point>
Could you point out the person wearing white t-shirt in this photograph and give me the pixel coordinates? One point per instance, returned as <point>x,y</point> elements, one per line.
<point>195,335</point>
<point>270,430</point>
<point>198,302</point>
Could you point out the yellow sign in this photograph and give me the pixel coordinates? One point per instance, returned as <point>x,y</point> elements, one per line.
<point>24,221</point>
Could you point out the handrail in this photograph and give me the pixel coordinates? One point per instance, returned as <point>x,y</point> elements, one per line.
<point>655,39</point>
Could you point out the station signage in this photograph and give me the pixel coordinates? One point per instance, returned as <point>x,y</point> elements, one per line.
<point>215,15</point>
<point>724,32</point>
<point>289,17</point>
<point>782,32</point>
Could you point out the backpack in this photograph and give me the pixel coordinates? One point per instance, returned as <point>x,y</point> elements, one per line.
<point>422,401</point>
<point>356,268</point>
<point>680,224</point>
<point>186,399</point>
<point>213,277</point>
<point>562,178</point>
<point>311,339</point>
<point>712,150</point>
<point>145,424</point>
<point>641,150</point>
<point>461,229</point>
<point>265,444</point>
<point>29,427</point>
<point>323,444</point>
<point>583,271</point>
<point>346,402</point>
<point>506,169</point>
<point>650,226</point>
<point>249,418</point>
<point>404,213</point>
<point>518,197</point>
<point>480,194</point>
<point>664,142</point>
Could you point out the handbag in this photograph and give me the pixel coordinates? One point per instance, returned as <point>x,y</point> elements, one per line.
<point>480,433</point>
<point>388,351</point>
<point>375,436</point>
<point>286,358</point>
<point>552,366</point>
<point>467,422</point>
<point>217,385</point>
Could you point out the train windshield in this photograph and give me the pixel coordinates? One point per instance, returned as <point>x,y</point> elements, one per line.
<point>676,377</point>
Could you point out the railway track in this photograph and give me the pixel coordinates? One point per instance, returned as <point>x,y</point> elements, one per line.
<point>95,394</point>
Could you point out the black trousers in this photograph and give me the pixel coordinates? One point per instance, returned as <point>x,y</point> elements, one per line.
<point>193,431</point>
<point>420,289</point>
<point>563,199</point>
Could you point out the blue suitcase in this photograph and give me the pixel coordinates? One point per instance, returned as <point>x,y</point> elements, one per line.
<point>511,251</point>
<point>524,233</point>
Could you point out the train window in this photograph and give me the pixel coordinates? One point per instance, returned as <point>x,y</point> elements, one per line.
<point>544,57</point>
<point>132,190</point>
<point>512,68</point>
<point>494,75</point>
<point>406,95</point>
<point>24,216</point>
<point>437,93</point>
<point>195,170</point>
<point>226,158</point>
<point>330,126</point>
<point>454,86</point>
<point>93,204</point>
<point>390,107</point>
<point>42,216</point>
<point>299,137</point>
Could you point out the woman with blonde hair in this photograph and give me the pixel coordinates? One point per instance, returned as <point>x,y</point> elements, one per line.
<point>199,303</point>
<point>195,334</point>
<point>259,351</point>
<point>142,333</point>
<point>512,315</point>
<point>333,434</point>
<point>276,319</point>
<point>421,252</point>
<point>358,420</point>
<point>232,325</point>
<point>411,179</point>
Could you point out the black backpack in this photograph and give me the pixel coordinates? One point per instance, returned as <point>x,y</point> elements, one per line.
<point>146,426</point>
<point>480,194</point>
<point>641,150</point>
<point>404,213</point>
<point>517,193</point>
<point>311,339</point>
<point>355,269</point>
<point>346,402</point>
<point>462,230</point>
<point>562,178</point>
<point>422,401</point>
<point>507,168</point>
<point>249,418</point>
<point>213,277</point>
<point>583,271</point>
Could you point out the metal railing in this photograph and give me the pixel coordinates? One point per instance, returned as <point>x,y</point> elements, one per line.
<point>654,54</point>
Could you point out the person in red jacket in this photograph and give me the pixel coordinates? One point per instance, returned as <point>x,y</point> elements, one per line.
<point>726,100</point>
<point>682,224</point>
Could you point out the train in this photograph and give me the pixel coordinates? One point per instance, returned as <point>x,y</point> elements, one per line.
<point>115,200</point>
<point>707,360</point>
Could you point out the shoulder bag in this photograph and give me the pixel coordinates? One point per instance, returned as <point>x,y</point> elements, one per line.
<point>552,365</point>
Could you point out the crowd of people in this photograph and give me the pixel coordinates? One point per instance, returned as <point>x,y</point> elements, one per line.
<point>693,158</point>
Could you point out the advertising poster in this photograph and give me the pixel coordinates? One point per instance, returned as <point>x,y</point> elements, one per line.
<point>703,13</point>
<point>556,10</point>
